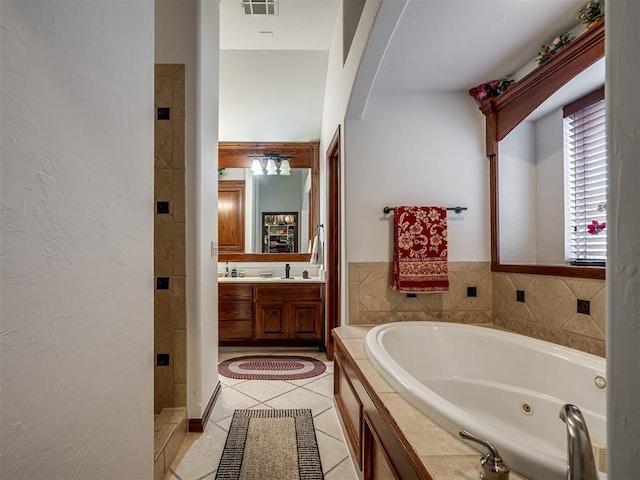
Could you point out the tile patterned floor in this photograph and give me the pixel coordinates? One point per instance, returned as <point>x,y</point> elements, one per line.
<point>200,452</point>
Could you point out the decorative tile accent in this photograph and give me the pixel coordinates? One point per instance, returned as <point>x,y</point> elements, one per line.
<point>169,234</point>
<point>164,113</point>
<point>162,208</point>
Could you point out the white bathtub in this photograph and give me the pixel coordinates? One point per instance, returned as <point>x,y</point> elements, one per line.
<point>464,376</point>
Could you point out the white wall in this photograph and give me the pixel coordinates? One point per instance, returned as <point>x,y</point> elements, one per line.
<point>517,193</point>
<point>187,33</point>
<point>340,80</point>
<point>623,256</point>
<point>416,149</point>
<point>287,85</point>
<point>77,240</point>
<point>550,195</point>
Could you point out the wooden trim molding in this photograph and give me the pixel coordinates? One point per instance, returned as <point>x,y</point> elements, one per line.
<point>197,425</point>
<point>333,236</point>
<point>504,112</point>
<point>514,105</point>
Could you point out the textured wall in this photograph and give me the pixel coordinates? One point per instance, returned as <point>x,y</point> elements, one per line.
<point>623,223</point>
<point>76,240</point>
<point>549,311</point>
<point>371,300</point>
<point>170,329</point>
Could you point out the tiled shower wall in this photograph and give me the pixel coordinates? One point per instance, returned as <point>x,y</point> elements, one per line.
<point>549,310</point>
<point>371,300</point>
<point>170,320</point>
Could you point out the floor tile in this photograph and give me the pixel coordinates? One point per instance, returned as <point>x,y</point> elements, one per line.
<point>332,451</point>
<point>226,381</point>
<point>263,390</point>
<point>343,471</point>
<point>323,386</point>
<point>229,400</point>
<point>301,398</point>
<point>200,454</point>
<point>327,422</point>
<point>203,456</point>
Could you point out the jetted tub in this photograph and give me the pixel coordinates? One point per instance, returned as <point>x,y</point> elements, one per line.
<point>503,387</point>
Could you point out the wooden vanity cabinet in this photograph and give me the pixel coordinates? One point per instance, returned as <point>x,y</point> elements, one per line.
<point>235,312</point>
<point>281,314</point>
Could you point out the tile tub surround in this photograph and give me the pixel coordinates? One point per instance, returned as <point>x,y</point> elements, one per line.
<point>549,311</point>
<point>372,301</point>
<point>445,456</point>
<point>170,334</point>
<point>200,453</point>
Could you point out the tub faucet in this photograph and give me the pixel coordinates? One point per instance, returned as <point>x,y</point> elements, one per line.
<point>493,467</point>
<point>580,462</point>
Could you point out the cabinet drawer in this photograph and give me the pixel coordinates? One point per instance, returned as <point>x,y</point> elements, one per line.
<point>289,292</point>
<point>235,310</point>
<point>236,330</point>
<point>235,292</point>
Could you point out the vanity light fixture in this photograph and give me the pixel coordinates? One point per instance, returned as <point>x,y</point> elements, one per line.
<point>273,163</point>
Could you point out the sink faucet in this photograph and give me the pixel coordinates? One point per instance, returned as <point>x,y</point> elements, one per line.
<point>287,270</point>
<point>580,462</point>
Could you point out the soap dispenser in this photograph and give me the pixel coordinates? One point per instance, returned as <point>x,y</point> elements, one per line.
<point>226,270</point>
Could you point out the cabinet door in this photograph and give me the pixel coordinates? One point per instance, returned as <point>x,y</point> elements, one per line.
<point>306,320</point>
<point>271,320</point>
<point>231,216</point>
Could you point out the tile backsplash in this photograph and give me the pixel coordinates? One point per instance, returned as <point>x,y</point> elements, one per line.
<point>549,310</point>
<point>371,300</point>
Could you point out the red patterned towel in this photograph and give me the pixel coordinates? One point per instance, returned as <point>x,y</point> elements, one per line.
<point>420,250</point>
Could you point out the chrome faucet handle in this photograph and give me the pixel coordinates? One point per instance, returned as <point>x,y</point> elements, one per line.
<point>493,467</point>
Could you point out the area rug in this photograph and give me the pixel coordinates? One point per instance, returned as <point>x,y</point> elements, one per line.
<point>271,367</point>
<point>271,445</point>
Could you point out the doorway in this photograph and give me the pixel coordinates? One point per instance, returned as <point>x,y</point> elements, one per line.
<point>334,240</point>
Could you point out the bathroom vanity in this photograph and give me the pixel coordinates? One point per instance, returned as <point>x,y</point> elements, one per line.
<point>275,312</point>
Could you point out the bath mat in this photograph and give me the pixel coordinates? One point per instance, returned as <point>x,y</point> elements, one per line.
<point>271,445</point>
<point>271,367</point>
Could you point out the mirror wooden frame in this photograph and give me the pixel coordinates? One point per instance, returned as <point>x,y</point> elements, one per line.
<point>504,112</point>
<point>304,155</point>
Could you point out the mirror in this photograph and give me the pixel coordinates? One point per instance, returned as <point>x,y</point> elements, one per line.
<point>532,179</point>
<point>506,127</point>
<point>276,209</point>
<point>262,196</point>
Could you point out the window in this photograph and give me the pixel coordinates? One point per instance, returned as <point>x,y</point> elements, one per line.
<point>586,179</point>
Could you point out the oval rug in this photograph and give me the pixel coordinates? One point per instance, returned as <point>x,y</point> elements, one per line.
<point>271,367</point>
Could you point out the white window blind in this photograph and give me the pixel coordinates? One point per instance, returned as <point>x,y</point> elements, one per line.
<point>586,152</point>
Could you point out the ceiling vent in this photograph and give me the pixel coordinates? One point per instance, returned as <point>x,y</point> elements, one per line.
<point>260,7</point>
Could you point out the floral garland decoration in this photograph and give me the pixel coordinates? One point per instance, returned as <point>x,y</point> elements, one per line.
<point>547,51</point>
<point>490,89</point>
<point>591,12</point>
